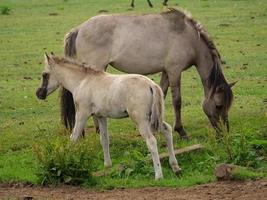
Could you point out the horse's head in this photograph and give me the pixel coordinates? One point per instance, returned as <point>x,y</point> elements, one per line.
<point>49,82</point>
<point>217,105</point>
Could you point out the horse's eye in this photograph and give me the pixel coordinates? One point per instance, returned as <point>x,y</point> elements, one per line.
<point>219,107</point>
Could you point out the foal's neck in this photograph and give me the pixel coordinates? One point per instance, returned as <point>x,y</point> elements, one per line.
<point>69,78</point>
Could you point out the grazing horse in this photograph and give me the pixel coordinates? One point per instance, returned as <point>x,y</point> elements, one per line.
<point>103,95</point>
<point>169,42</point>
<point>149,3</point>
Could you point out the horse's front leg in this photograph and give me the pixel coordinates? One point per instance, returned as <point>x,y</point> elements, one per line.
<point>164,83</point>
<point>81,118</point>
<point>175,83</point>
<point>104,138</point>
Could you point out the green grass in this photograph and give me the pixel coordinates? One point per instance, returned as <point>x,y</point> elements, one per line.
<point>239,30</point>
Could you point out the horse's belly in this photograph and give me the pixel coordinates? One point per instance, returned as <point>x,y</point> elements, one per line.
<point>137,67</point>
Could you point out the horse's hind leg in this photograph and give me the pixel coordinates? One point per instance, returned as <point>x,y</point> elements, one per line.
<point>164,83</point>
<point>104,138</point>
<point>132,4</point>
<point>165,2</point>
<point>167,131</point>
<point>151,142</point>
<point>149,3</point>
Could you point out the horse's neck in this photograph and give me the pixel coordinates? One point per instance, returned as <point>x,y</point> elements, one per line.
<point>69,78</point>
<point>204,67</point>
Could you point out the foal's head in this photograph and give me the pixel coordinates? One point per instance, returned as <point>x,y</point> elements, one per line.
<point>217,105</point>
<point>49,82</point>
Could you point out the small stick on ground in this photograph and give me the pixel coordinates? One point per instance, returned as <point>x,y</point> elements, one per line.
<point>182,150</point>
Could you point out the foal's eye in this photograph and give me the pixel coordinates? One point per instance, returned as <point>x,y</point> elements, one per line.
<point>219,107</point>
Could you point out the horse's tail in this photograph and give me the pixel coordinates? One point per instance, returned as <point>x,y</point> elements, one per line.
<point>157,108</point>
<point>67,102</point>
<point>70,43</point>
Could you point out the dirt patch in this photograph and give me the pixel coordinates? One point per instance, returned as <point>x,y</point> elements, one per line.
<point>248,190</point>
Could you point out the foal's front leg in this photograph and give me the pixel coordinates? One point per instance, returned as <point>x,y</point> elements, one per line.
<point>104,138</point>
<point>81,118</point>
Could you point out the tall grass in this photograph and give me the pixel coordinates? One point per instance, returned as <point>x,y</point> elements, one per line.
<point>61,161</point>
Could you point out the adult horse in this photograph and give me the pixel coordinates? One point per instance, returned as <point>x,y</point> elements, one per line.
<point>169,42</point>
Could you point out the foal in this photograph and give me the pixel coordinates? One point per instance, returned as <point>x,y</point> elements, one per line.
<point>103,95</point>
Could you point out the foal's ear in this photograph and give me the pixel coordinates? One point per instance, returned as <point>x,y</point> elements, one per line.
<point>50,61</point>
<point>46,56</point>
<point>232,84</point>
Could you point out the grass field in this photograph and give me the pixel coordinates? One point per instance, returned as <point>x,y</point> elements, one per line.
<point>31,27</point>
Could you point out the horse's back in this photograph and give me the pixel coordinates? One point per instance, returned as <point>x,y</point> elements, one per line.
<point>131,43</point>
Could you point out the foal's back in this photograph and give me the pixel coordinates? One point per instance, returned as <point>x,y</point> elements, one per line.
<point>117,96</point>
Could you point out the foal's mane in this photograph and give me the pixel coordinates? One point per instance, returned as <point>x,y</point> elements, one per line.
<point>216,77</point>
<point>76,65</point>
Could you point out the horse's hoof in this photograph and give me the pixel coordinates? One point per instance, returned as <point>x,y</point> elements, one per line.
<point>185,138</point>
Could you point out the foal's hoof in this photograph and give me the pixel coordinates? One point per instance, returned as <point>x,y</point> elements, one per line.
<point>178,173</point>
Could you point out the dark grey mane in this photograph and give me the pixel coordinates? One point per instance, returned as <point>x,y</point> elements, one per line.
<point>216,78</point>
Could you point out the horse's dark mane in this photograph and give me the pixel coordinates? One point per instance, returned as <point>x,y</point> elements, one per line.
<point>216,77</point>
<point>82,66</point>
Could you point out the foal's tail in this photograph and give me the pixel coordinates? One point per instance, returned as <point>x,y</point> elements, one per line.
<point>67,102</point>
<point>157,108</point>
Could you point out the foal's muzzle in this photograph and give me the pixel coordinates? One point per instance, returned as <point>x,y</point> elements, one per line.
<point>41,93</point>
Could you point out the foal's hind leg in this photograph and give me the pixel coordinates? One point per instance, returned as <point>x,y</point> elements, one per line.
<point>145,131</point>
<point>167,131</point>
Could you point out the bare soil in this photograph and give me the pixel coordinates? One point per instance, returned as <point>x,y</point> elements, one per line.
<point>248,190</point>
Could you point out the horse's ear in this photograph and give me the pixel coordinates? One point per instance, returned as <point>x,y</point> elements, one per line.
<point>232,84</point>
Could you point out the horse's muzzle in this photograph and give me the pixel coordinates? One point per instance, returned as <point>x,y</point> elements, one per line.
<point>41,93</point>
